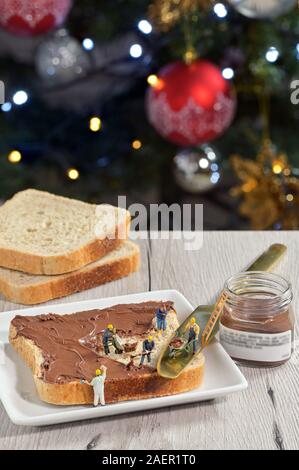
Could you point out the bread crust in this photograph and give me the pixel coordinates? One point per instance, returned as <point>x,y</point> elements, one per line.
<point>74,393</point>
<point>60,264</point>
<point>77,281</point>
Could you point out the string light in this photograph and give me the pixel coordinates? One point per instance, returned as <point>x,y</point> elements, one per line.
<point>215,177</point>
<point>289,197</point>
<point>136,144</point>
<point>73,173</point>
<point>203,163</point>
<point>95,124</point>
<point>136,51</point>
<point>220,10</point>
<point>152,80</point>
<point>88,44</point>
<point>155,82</point>
<point>6,107</point>
<point>145,27</point>
<point>20,97</point>
<point>211,154</point>
<point>277,168</point>
<point>272,54</point>
<point>228,73</point>
<point>14,156</point>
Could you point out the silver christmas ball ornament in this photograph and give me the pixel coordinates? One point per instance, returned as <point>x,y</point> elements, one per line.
<point>61,58</point>
<point>263,9</point>
<point>197,169</point>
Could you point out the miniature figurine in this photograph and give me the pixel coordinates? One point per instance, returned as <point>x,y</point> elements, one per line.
<point>98,383</point>
<point>147,347</point>
<point>161,315</point>
<point>176,346</point>
<point>110,339</point>
<point>193,333</point>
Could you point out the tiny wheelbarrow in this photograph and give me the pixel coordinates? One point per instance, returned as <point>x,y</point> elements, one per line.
<point>179,345</point>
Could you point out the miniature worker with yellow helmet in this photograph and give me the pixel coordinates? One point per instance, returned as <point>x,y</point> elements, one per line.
<point>147,347</point>
<point>193,333</point>
<point>98,384</point>
<point>110,339</point>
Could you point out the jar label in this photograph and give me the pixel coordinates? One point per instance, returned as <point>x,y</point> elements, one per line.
<point>261,347</point>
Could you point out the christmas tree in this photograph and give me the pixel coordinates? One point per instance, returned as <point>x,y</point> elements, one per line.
<point>164,101</point>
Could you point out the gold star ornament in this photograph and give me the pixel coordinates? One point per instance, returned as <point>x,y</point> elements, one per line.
<point>269,190</point>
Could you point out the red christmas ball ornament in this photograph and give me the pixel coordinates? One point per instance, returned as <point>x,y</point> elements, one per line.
<point>190,104</point>
<point>32,17</point>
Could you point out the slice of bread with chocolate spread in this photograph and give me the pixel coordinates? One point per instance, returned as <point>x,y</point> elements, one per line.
<point>65,350</point>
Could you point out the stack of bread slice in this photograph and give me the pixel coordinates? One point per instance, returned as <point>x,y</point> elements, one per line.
<point>52,246</point>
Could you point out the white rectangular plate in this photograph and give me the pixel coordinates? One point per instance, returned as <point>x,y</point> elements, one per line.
<point>20,399</point>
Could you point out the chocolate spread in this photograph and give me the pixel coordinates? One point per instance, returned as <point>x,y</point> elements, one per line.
<point>177,343</point>
<point>69,342</point>
<point>282,322</point>
<point>257,322</point>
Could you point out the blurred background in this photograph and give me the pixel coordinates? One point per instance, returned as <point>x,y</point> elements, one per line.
<point>164,101</point>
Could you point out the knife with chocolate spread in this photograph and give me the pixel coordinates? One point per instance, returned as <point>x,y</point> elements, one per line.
<point>207,318</point>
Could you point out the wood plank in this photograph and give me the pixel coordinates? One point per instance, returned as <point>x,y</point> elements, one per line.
<point>265,416</point>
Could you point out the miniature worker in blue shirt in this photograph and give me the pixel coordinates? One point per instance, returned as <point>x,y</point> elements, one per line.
<point>147,347</point>
<point>161,314</point>
<point>109,338</point>
<point>193,333</point>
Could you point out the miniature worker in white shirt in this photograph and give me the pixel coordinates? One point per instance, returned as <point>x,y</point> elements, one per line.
<point>98,384</point>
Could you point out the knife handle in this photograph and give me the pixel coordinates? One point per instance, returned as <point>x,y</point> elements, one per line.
<point>269,258</point>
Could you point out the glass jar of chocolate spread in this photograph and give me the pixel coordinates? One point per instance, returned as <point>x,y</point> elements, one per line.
<point>257,323</point>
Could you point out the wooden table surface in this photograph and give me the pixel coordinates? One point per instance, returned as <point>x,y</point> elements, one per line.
<point>264,416</point>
